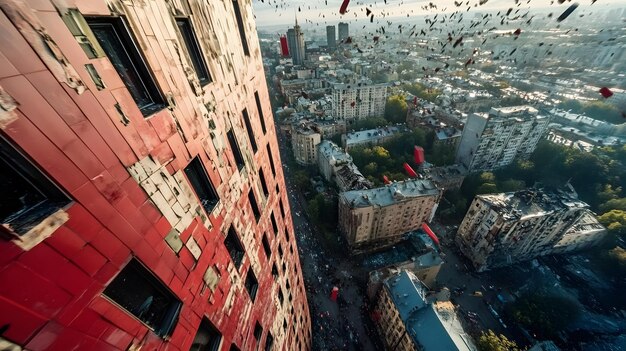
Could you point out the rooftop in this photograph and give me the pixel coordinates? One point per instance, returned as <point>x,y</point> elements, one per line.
<point>523,110</point>
<point>371,134</point>
<point>333,152</point>
<point>434,326</point>
<point>390,194</point>
<point>533,202</point>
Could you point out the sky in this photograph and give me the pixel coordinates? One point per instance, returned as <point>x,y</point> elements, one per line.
<point>326,12</point>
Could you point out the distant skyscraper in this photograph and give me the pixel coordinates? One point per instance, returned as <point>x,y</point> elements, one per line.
<point>297,52</point>
<point>343,31</point>
<point>331,39</point>
<point>291,41</point>
<point>284,47</point>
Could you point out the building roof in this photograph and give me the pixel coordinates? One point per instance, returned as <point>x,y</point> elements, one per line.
<point>371,135</point>
<point>333,152</point>
<point>433,326</point>
<point>533,202</point>
<point>390,194</point>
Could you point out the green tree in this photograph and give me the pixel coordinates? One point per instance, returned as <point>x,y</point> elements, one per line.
<point>487,188</point>
<point>614,204</point>
<point>544,315</point>
<point>490,341</point>
<point>396,109</point>
<point>510,185</point>
<point>614,221</point>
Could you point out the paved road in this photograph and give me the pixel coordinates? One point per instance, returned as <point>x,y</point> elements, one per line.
<point>341,325</point>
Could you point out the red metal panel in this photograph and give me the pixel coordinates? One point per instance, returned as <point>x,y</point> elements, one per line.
<point>409,170</point>
<point>23,322</point>
<point>89,260</point>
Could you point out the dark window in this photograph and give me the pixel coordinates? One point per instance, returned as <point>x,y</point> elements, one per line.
<point>189,37</point>
<point>269,154</point>
<point>234,247</point>
<point>280,250</point>
<point>285,324</point>
<point>274,271</point>
<point>274,225</point>
<point>277,188</point>
<point>233,347</point>
<point>246,120</point>
<point>207,338</point>
<point>201,184</point>
<point>285,268</point>
<point>117,42</point>
<point>140,293</point>
<point>258,331</point>
<point>266,246</point>
<point>269,341</point>
<point>281,297</point>
<point>251,284</point>
<point>260,109</point>
<point>236,151</point>
<point>28,196</point>
<point>253,204</point>
<point>242,30</point>
<point>282,208</point>
<point>263,183</point>
<point>287,237</point>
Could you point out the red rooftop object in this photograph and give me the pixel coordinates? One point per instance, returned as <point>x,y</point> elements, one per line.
<point>284,48</point>
<point>606,92</point>
<point>430,233</point>
<point>418,155</point>
<point>386,180</point>
<point>409,170</point>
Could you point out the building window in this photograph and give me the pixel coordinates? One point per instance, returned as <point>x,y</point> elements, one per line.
<point>269,155</point>
<point>234,247</point>
<point>269,341</point>
<point>258,331</point>
<point>201,183</point>
<point>274,271</point>
<point>141,294</point>
<point>281,297</point>
<point>274,225</point>
<point>266,246</point>
<point>253,204</point>
<point>207,338</point>
<point>233,347</point>
<point>251,284</point>
<point>263,182</point>
<point>246,120</point>
<point>189,38</point>
<point>282,208</point>
<point>117,42</point>
<point>28,196</point>
<point>242,30</point>
<point>234,146</point>
<point>280,250</point>
<point>260,109</point>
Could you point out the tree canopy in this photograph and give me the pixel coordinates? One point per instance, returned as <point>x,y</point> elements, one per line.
<point>421,91</point>
<point>597,109</point>
<point>491,341</point>
<point>544,315</point>
<point>396,109</point>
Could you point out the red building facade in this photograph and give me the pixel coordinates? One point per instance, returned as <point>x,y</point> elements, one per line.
<point>144,204</point>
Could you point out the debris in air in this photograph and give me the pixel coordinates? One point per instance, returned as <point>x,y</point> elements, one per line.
<point>567,12</point>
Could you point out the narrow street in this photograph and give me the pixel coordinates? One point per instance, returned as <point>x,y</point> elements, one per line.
<point>341,325</point>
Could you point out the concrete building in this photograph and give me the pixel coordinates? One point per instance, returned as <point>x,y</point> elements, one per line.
<point>343,31</point>
<point>134,173</point>
<point>370,137</point>
<point>408,321</point>
<point>374,218</point>
<point>502,229</point>
<point>494,140</point>
<point>358,100</point>
<point>446,177</point>
<point>304,143</point>
<point>331,38</point>
<point>336,166</point>
<point>295,40</point>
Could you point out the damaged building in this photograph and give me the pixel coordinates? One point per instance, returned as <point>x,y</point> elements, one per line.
<point>141,178</point>
<point>375,218</point>
<point>502,229</point>
<point>337,166</point>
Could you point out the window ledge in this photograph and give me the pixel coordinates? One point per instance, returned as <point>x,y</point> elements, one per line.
<point>40,232</point>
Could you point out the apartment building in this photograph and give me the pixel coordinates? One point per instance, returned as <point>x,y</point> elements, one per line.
<point>502,229</point>
<point>374,218</point>
<point>409,321</point>
<point>494,140</point>
<point>304,141</point>
<point>144,204</point>
<point>358,100</point>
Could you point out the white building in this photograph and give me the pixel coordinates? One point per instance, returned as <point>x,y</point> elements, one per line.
<point>369,137</point>
<point>358,100</point>
<point>502,229</point>
<point>304,143</point>
<point>494,140</point>
<point>336,166</point>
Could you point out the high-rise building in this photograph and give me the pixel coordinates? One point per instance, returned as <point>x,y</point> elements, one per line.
<point>331,38</point>
<point>501,229</point>
<point>494,140</point>
<point>358,100</point>
<point>304,141</point>
<point>295,40</point>
<point>291,41</point>
<point>343,31</point>
<point>373,218</point>
<point>144,204</point>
